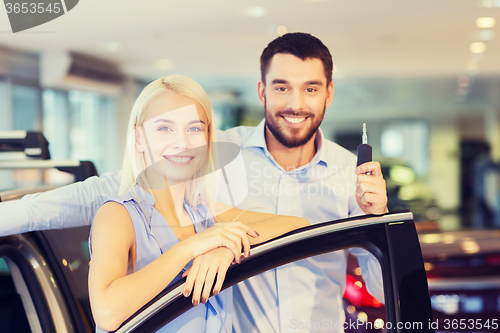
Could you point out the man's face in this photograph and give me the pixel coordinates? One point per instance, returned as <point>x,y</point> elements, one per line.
<point>295,96</point>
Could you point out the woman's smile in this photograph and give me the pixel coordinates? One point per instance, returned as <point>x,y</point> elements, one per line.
<point>179,159</point>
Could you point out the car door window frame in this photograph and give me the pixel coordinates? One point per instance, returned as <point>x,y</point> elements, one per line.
<point>43,288</point>
<point>391,238</point>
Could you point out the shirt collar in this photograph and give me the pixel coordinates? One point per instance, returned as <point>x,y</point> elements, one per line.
<point>147,199</point>
<point>144,196</point>
<point>321,155</point>
<point>258,139</point>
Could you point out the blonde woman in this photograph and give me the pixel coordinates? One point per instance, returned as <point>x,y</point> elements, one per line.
<point>161,226</point>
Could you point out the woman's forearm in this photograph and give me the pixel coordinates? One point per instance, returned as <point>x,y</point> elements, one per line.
<point>113,304</point>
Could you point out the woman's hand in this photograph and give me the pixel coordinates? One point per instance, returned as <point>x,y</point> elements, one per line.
<point>232,235</point>
<point>202,274</point>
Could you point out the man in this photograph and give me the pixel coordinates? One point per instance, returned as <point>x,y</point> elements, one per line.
<point>291,170</point>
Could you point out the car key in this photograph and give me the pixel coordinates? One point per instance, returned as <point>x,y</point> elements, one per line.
<point>364,149</point>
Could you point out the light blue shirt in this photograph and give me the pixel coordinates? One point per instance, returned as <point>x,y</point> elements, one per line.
<point>306,292</point>
<point>153,237</point>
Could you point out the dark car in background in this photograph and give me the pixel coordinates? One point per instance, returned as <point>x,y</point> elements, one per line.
<point>463,270</point>
<point>463,273</point>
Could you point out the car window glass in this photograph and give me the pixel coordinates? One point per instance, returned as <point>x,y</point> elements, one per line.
<point>71,252</point>
<point>363,301</point>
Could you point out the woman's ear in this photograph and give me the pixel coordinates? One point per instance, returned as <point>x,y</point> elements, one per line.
<point>139,141</point>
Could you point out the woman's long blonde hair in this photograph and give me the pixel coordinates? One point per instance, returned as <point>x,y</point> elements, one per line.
<point>133,165</point>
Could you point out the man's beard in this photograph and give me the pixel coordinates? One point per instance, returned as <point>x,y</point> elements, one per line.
<point>294,140</point>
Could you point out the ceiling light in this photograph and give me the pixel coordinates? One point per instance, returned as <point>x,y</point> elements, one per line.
<point>164,64</point>
<point>486,22</point>
<point>490,3</point>
<point>254,11</point>
<point>111,47</point>
<point>281,30</point>
<point>477,47</point>
<point>487,35</point>
<point>487,3</point>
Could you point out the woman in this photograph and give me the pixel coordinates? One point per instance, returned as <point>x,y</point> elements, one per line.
<point>162,220</point>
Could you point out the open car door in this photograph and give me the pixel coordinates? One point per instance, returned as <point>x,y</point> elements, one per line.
<point>391,238</point>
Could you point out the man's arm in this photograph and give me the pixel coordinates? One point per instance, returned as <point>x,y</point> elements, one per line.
<point>70,206</point>
<point>370,267</point>
<point>267,225</point>
<point>371,272</point>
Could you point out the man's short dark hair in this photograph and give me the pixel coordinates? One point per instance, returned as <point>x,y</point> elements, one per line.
<point>301,45</point>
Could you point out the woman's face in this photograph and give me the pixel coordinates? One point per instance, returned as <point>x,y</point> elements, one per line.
<point>173,138</point>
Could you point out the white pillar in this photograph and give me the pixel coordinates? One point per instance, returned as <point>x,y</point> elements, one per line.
<point>492,131</point>
<point>444,169</point>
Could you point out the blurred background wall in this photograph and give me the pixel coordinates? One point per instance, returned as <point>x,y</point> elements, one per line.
<point>424,76</point>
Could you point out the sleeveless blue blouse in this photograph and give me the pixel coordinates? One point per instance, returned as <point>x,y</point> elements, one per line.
<point>153,237</point>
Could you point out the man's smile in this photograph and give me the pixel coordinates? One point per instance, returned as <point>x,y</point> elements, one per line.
<point>294,121</point>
